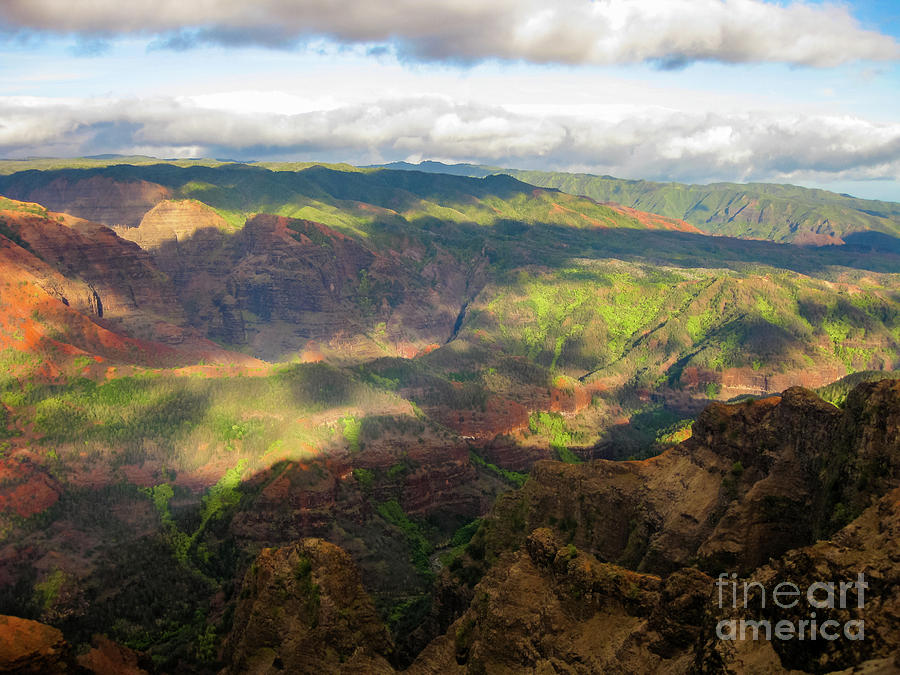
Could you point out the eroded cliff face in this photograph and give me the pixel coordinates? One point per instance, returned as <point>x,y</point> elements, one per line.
<point>98,198</point>
<point>550,607</point>
<point>280,283</point>
<point>122,280</point>
<point>613,566</point>
<point>430,475</point>
<point>171,220</point>
<point>870,546</point>
<point>73,288</point>
<point>303,609</point>
<point>755,479</point>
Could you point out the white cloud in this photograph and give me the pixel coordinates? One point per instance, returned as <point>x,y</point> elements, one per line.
<point>670,32</point>
<point>653,143</point>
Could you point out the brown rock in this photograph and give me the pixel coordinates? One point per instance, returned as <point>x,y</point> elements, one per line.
<point>108,658</point>
<point>304,610</point>
<point>30,647</point>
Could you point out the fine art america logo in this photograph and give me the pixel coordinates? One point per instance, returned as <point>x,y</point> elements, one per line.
<point>816,601</point>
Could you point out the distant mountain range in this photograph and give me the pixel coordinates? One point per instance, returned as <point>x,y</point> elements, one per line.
<point>752,210</point>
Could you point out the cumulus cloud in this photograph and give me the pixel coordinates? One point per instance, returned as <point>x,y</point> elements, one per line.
<point>668,32</point>
<point>652,143</point>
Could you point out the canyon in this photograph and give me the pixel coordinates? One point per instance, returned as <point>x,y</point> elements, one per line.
<point>440,423</point>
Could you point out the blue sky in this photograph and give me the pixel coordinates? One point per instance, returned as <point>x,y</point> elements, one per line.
<point>685,90</point>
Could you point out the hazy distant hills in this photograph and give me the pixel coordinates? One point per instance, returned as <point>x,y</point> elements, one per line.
<point>783,213</point>
<point>755,210</point>
<point>341,196</point>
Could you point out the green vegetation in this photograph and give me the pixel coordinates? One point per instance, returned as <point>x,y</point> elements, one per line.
<point>5,431</point>
<point>733,209</point>
<point>553,426</point>
<point>406,614</point>
<point>334,195</point>
<point>364,477</point>
<point>419,546</point>
<point>514,478</point>
<point>22,207</point>
<point>245,416</point>
<point>351,427</point>
<point>731,480</point>
<point>307,589</point>
<point>48,590</point>
<point>180,542</point>
<point>674,433</point>
<point>836,392</point>
<point>222,496</point>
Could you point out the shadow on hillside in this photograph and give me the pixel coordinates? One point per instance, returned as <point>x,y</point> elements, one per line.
<point>252,189</point>
<point>222,287</point>
<point>873,242</point>
<point>687,250</point>
<point>241,187</point>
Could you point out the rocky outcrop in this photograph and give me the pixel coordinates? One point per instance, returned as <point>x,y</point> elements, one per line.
<point>747,496</point>
<point>869,546</point>
<point>552,608</point>
<point>31,647</point>
<point>171,220</point>
<point>756,479</point>
<point>303,610</point>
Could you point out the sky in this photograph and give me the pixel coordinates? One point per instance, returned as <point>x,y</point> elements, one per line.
<point>674,90</point>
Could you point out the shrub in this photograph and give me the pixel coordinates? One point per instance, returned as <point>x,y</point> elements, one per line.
<point>364,477</point>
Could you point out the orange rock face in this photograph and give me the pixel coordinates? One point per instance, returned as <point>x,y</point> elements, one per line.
<point>654,221</point>
<point>81,290</point>
<point>26,489</point>
<point>30,647</point>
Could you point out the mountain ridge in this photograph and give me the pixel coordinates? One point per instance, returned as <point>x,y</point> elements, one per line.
<point>738,209</point>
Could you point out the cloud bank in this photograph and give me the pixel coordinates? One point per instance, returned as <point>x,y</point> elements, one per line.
<point>668,32</point>
<point>652,143</point>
